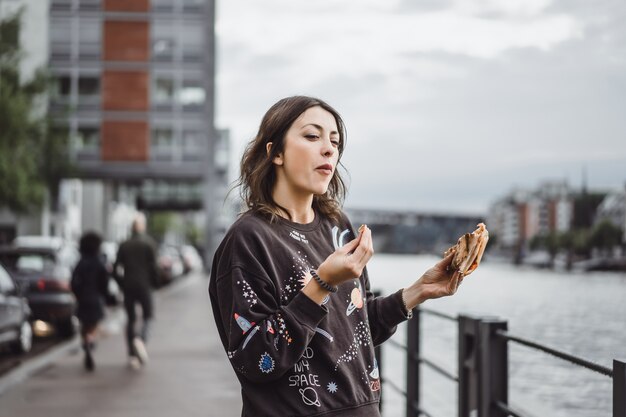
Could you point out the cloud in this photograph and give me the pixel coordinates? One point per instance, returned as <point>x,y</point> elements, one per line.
<point>439,95</point>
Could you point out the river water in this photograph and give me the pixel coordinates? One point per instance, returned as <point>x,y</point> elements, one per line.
<point>580,313</point>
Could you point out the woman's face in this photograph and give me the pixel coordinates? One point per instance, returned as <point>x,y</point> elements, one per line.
<point>310,153</point>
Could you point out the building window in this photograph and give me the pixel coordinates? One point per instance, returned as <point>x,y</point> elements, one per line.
<point>60,30</point>
<point>60,38</point>
<point>163,90</point>
<point>193,140</point>
<point>192,94</point>
<point>162,139</point>
<point>87,138</point>
<point>162,5</point>
<point>193,41</point>
<point>64,86</point>
<point>88,86</point>
<point>163,44</point>
<point>90,38</point>
<point>162,49</point>
<point>193,5</point>
<point>91,5</point>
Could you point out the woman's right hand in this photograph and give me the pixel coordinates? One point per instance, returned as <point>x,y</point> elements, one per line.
<point>347,262</point>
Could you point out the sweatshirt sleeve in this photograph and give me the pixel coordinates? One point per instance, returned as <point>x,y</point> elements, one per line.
<point>384,313</point>
<point>264,339</point>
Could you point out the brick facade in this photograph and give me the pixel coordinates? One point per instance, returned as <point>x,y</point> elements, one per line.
<point>124,140</point>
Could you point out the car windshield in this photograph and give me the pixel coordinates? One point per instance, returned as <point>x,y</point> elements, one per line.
<point>27,262</point>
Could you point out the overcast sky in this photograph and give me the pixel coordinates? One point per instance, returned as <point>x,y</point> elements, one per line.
<point>448,103</point>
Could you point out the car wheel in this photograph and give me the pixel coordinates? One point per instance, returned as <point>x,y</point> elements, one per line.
<point>25,341</point>
<point>66,328</point>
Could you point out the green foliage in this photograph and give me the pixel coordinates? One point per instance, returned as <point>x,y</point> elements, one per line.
<point>575,241</point>
<point>194,235</point>
<point>605,235</point>
<point>159,223</point>
<point>32,157</point>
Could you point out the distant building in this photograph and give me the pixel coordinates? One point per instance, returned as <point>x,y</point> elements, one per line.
<point>613,209</point>
<point>413,232</point>
<point>523,214</point>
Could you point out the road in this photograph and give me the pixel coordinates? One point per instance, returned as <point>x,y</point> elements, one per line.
<point>188,373</point>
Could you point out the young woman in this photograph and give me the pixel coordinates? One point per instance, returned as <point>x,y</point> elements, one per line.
<point>289,289</point>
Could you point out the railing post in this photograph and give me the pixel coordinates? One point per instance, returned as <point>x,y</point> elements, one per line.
<point>619,388</point>
<point>468,365</point>
<point>413,365</point>
<point>494,378</point>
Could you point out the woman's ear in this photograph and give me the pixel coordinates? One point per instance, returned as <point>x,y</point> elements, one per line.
<point>278,159</point>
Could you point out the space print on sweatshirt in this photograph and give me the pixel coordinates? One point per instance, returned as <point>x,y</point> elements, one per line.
<point>247,292</point>
<point>361,338</point>
<point>356,300</point>
<point>299,277</point>
<point>305,380</point>
<point>339,238</point>
<point>372,378</point>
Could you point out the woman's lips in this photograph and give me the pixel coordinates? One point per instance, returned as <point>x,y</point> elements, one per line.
<point>326,169</point>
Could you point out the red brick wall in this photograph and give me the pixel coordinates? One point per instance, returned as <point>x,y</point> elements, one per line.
<point>126,5</point>
<point>126,41</point>
<point>523,221</point>
<point>552,215</point>
<point>125,90</point>
<point>124,140</point>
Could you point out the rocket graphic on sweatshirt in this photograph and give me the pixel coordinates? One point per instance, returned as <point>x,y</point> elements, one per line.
<point>243,323</point>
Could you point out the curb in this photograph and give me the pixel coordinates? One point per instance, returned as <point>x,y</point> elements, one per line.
<point>29,368</point>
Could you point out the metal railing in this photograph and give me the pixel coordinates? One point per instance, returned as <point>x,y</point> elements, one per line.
<point>483,362</point>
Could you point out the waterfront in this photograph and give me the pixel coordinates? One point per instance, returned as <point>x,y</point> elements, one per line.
<point>580,313</point>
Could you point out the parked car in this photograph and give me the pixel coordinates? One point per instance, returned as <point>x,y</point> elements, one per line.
<point>191,258</point>
<point>42,270</point>
<point>170,264</point>
<point>15,328</point>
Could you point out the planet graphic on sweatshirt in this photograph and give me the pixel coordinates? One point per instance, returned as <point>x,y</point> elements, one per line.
<point>309,397</point>
<point>356,301</point>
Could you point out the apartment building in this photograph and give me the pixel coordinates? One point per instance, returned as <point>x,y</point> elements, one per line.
<point>613,209</point>
<point>136,91</point>
<point>523,214</point>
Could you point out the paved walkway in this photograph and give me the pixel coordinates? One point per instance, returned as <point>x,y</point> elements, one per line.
<point>188,373</point>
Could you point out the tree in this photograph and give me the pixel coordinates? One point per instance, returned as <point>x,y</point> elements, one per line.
<point>605,235</point>
<point>159,223</point>
<point>33,152</point>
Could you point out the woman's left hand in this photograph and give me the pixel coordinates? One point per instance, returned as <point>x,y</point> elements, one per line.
<point>436,282</point>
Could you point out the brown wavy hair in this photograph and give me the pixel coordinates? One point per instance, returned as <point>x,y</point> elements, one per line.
<point>258,173</point>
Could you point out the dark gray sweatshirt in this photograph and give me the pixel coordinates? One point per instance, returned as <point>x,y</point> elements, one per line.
<point>292,356</point>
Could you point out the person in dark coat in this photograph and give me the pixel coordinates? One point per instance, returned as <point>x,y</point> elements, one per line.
<point>136,257</point>
<point>89,284</point>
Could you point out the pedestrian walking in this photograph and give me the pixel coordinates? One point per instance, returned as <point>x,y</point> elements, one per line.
<point>289,287</point>
<point>89,284</point>
<point>135,270</point>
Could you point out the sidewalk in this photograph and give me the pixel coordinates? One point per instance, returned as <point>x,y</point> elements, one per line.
<point>188,373</point>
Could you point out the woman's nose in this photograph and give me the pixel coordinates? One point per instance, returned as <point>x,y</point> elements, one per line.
<point>328,149</point>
